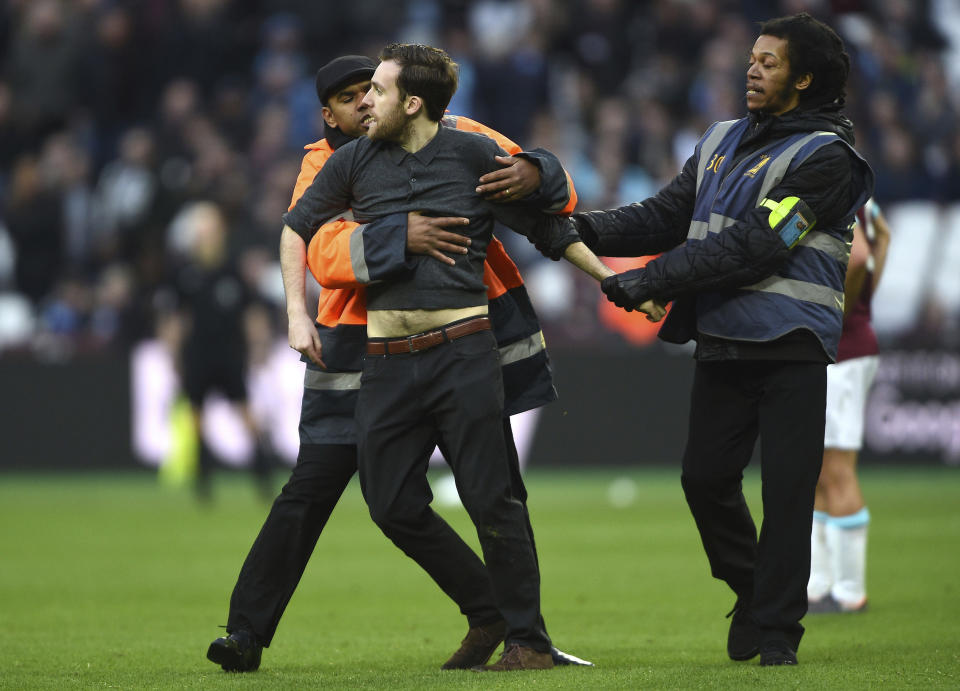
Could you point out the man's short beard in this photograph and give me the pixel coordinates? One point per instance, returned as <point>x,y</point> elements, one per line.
<point>393,128</point>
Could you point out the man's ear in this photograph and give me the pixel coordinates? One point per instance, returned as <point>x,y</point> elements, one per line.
<point>328,116</point>
<point>414,105</point>
<point>803,81</point>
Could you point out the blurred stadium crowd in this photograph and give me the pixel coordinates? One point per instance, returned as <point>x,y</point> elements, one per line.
<point>118,116</point>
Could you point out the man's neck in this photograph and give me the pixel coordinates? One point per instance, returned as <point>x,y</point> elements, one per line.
<point>421,130</point>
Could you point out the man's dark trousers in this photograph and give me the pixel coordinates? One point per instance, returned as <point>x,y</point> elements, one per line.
<point>452,392</point>
<point>278,557</point>
<point>731,403</point>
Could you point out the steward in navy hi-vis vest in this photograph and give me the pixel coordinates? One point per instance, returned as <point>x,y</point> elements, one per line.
<point>807,291</point>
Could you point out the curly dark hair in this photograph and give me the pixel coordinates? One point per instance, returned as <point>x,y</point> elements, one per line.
<point>426,72</point>
<point>813,48</point>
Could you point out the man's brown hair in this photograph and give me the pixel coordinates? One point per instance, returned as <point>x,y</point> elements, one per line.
<point>426,72</point>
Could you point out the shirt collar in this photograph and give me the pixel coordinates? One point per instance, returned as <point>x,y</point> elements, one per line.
<point>425,155</point>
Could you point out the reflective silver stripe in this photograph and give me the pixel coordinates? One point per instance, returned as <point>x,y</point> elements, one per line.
<point>834,248</point>
<point>800,290</point>
<point>529,346</point>
<point>336,381</point>
<point>710,145</point>
<point>699,229</point>
<point>778,168</point>
<point>718,222</point>
<point>357,260</point>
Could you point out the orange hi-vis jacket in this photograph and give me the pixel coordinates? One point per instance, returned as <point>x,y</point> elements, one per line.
<point>341,312</point>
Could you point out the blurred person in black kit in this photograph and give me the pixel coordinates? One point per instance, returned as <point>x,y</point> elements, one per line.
<point>214,301</point>
<point>756,233</point>
<point>327,459</point>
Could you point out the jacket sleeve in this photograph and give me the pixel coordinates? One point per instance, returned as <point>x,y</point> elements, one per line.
<point>550,234</point>
<point>643,228</point>
<point>346,254</point>
<point>327,197</point>
<point>750,250</point>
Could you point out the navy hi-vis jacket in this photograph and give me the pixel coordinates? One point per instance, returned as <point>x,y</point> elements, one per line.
<point>807,289</point>
<point>330,394</point>
<point>718,247</point>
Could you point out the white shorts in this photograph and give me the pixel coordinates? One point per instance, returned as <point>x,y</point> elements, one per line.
<point>847,385</point>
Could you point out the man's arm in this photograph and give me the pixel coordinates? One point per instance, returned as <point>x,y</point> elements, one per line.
<point>346,254</point>
<point>519,176</point>
<point>557,239</point>
<point>740,255</point>
<point>301,332</point>
<point>328,195</point>
<point>856,269</point>
<point>555,191</point>
<point>581,257</point>
<point>868,254</point>
<point>749,250</point>
<point>881,239</point>
<point>654,225</point>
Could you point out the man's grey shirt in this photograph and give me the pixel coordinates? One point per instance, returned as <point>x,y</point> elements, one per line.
<point>378,178</point>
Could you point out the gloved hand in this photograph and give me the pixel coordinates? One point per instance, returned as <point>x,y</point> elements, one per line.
<point>627,289</point>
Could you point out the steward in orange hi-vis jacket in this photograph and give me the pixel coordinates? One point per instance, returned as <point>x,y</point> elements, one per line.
<point>328,444</point>
<point>329,396</point>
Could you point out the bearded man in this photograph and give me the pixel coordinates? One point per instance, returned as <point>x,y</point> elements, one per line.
<point>432,367</point>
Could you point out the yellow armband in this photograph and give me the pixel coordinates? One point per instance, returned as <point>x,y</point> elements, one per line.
<point>791,219</point>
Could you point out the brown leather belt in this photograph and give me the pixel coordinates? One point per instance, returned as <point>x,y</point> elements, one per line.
<point>428,339</point>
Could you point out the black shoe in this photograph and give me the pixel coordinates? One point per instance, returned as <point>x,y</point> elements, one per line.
<point>561,659</point>
<point>776,653</point>
<point>237,652</point>
<point>743,639</point>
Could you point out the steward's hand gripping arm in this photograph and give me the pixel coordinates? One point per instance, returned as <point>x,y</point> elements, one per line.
<point>558,195</point>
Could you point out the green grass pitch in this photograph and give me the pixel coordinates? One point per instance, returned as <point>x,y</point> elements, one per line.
<point>111,581</point>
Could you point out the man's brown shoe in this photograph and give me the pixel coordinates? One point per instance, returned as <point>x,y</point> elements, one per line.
<point>516,657</point>
<point>478,646</point>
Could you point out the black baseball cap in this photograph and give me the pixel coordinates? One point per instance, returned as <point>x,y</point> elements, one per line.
<point>342,71</point>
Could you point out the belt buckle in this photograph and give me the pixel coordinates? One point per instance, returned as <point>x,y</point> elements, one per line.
<point>410,344</point>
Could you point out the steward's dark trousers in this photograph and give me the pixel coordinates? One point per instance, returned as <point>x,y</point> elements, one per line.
<point>731,403</point>
<point>452,392</point>
<point>280,553</point>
